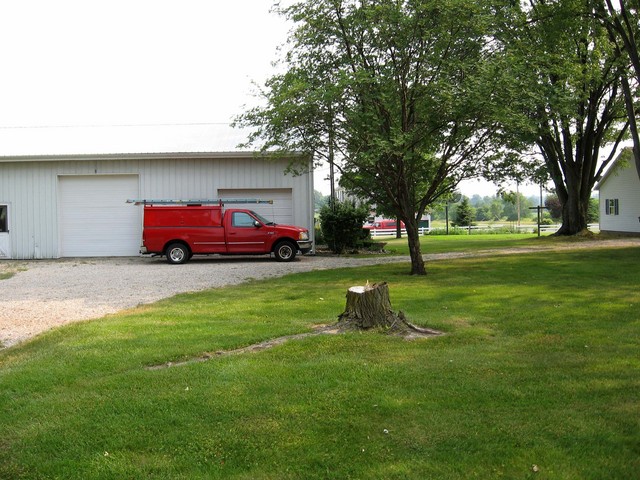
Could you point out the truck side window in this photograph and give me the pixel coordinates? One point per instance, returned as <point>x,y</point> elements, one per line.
<point>242,219</point>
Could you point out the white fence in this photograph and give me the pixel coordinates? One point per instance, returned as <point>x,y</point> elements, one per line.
<point>388,232</point>
<point>391,232</point>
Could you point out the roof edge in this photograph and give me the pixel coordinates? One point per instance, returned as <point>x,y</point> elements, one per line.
<point>612,167</point>
<point>137,156</point>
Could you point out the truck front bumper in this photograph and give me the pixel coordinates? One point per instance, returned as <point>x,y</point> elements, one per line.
<point>305,246</point>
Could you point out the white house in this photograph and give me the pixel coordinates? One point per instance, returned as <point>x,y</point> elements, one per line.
<point>619,190</point>
<point>74,204</point>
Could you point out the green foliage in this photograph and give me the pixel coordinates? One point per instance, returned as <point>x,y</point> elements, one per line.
<point>341,226</point>
<point>560,80</point>
<point>593,213</point>
<point>319,200</point>
<point>488,208</point>
<point>543,347</point>
<point>554,206</point>
<point>516,206</point>
<point>401,92</point>
<point>465,214</point>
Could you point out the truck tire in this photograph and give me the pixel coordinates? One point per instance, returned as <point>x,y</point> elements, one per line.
<point>285,251</point>
<point>177,253</point>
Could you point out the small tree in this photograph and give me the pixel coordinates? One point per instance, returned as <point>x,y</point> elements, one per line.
<point>342,225</point>
<point>554,206</point>
<point>465,213</point>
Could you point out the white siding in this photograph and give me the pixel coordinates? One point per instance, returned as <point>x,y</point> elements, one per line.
<point>622,184</point>
<point>31,189</point>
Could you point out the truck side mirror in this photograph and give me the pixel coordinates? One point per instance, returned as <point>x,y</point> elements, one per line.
<point>257,224</point>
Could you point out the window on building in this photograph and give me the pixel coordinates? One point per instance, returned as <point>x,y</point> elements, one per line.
<point>4,225</point>
<point>611,206</point>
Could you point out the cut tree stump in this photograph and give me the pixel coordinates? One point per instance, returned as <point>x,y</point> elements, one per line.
<point>369,307</point>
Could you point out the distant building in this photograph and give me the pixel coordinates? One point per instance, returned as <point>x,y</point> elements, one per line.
<point>619,191</point>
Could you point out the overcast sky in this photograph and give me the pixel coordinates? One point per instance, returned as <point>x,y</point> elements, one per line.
<point>135,62</point>
<point>83,62</point>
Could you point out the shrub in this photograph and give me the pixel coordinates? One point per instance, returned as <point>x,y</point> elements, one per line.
<point>342,226</point>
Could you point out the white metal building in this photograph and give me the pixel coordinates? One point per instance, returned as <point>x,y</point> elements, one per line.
<point>74,205</point>
<point>619,191</point>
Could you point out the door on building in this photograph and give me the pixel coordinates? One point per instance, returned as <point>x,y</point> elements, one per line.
<point>5,245</point>
<point>95,220</point>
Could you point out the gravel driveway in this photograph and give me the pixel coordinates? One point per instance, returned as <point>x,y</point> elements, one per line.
<point>47,293</point>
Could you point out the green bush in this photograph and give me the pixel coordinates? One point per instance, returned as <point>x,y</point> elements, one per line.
<point>341,226</point>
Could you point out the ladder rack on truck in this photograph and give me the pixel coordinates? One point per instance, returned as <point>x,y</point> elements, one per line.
<point>206,201</point>
<point>179,229</point>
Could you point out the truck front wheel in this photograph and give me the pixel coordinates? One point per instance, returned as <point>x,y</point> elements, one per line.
<point>177,253</point>
<point>285,251</point>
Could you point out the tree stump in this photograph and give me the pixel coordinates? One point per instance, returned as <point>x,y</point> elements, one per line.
<point>369,307</point>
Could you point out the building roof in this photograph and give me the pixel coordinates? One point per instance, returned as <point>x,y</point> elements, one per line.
<point>17,143</point>
<point>626,154</point>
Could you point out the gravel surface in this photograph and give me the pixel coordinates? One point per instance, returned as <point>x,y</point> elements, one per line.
<point>47,293</point>
<point>43,294</point>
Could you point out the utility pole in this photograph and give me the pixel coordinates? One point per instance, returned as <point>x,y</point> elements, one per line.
<point>331,160</point>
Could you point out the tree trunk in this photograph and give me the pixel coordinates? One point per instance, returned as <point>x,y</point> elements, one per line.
<point>574,208</point>
<point>369,307</point>
<point>415,251</point>
<point>574,217</point>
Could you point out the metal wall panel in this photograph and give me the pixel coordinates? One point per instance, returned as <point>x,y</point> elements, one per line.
<point>30,188</point>
<point>280,211</point>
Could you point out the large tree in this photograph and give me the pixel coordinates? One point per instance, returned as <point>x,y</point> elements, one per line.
<point>622,21</point>
<point>563,95</point>
<point>398,93</point>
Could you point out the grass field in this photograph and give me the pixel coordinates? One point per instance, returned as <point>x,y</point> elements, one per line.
<point>538,376</point>
<point>457,243</point>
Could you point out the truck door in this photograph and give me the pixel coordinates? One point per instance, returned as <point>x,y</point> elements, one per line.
<point>244,237</point>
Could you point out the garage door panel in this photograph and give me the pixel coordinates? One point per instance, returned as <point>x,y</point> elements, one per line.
<point>94,218</point>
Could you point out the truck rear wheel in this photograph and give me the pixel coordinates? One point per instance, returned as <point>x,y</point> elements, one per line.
<point>177,253</point>
<point>285,251</point>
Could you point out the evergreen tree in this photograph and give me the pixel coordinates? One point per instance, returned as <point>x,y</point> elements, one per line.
<point>465,213</point>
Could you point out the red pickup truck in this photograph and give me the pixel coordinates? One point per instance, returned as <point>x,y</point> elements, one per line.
<point>181,231</point>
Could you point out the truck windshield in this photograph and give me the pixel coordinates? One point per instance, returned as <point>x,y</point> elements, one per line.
<point>262,219</point>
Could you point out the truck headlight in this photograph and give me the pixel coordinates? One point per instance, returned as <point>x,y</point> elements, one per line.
<point>303,236</point>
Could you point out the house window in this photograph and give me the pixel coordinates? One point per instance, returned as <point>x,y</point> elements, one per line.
<point>611,206</point>
<point>3,219</point>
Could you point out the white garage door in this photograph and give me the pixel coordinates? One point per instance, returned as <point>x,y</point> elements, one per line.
<point>280,212</point>
<point>95,221</point>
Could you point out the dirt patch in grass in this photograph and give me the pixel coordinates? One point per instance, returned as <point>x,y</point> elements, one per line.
<point>335,329</point>
<point>9,269</point>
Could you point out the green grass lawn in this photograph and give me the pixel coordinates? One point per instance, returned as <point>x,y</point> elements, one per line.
<point>457,243</point>
<point>474,242</point>
<point>540,366</point>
